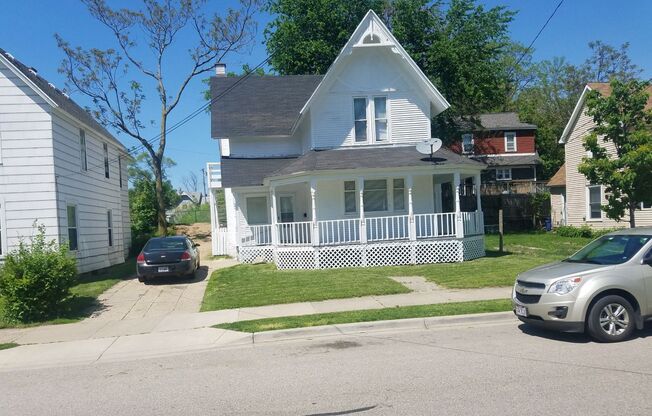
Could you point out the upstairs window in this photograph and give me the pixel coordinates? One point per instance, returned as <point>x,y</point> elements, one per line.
<point>510,141</point>
<point>360,117</point>
<point>594,202</point>
<point>467,143</point>
<point>106,160</point>
<point>72,227</point>
<point>82,147</point>
<point>380,118</point>
<point>349,197</point>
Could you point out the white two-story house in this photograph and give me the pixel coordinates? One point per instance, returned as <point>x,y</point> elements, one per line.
<point>61,169</point>
<point>322,171</point>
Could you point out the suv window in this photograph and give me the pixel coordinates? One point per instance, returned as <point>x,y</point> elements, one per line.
<point>610,249</point>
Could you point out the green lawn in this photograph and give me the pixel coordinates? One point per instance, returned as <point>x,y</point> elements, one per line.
<point>421,311</point>
<point>257,285</point>
<point>7,346</point>
<point>85,293</point>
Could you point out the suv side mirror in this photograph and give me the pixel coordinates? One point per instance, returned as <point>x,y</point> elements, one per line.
<point>647,259</point>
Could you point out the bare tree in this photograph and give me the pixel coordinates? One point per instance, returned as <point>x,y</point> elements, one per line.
<point>190,182</point>
<point>103,74</point>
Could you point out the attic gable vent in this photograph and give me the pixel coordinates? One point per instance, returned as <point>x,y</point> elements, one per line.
<point>371,39</point>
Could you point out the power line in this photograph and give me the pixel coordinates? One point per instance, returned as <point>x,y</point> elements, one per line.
<point>193,114</point>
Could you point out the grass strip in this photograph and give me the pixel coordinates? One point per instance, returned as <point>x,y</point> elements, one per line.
<point>370,315</point>
<point>7,346</point>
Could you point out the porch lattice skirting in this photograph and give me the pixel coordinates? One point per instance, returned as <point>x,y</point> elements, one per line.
<point>397,253</point>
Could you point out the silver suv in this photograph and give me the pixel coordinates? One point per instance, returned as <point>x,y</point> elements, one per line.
<point>604,289</point>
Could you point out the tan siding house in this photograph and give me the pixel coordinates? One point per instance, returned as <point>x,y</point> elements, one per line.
<point>577,202</point>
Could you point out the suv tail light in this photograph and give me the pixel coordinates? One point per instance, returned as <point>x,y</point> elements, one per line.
<point>140,258</point>
<point>186,256</point>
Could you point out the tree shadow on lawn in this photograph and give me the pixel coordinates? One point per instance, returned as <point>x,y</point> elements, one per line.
<point>496,253</point>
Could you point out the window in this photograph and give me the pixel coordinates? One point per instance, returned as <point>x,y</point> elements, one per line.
<point>375,195</point>
<point>72,227</point>
<point>380,118</point>
<point>2,231</point>
<point>360,117</point>
<point>109,223</point>
<point>106,160</point>
<point>594,202</point>
<point>467,143</point>
<point>257,210</point>
<point>82,147</point>
<point>504,174</point>
<point>349,197</point>
<point>510,141</point>
<point>120,170</point>
<point>646,205</point>
<point>399,194</point>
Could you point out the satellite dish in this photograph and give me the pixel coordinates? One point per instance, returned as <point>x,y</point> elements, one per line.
<point>429,146</point>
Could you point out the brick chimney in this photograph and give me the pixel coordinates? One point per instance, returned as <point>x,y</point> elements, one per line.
<point>220,70</point>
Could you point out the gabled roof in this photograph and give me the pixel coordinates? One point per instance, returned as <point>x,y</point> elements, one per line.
<point>603,88</point>
<point>53,96</point>
<point>495,121</point>
<point>253,172</point>
<point>559,178</point>
<point>372,32</point>
<point>259,105</point>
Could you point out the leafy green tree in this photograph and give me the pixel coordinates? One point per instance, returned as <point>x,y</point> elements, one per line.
<point>607,62</point>
<point>142,195</point>
<point>621,147</point>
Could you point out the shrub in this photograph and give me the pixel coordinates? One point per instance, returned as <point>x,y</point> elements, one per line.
<point>36,278</point>
<point>582,232</point>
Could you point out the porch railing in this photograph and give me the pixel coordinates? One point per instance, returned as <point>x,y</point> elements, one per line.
<point>295,233</point>
<point>388,228</point>
<point>435,225</point>
<point>473,223</point>
<point>345,231</point>
<point>349,230</point>
<point>256,235</point>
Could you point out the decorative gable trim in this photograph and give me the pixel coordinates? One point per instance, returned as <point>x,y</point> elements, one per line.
<point>579,107</point>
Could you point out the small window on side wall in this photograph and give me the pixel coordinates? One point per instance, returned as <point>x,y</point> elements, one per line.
<point>72,228</point>
<point>109,224</point>
<point>82,146</point>
<point>467,143</point>
<point>595,202</point>
<point>510,141</point>
<point>504,174</point>
<point>106,160</point>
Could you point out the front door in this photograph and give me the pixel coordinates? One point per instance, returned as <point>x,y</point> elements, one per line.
<point>286,204</point>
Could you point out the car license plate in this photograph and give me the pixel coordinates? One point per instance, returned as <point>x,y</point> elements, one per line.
<point>163,269</point>
<point>521,310</point>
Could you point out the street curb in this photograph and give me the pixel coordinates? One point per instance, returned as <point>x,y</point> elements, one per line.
<point>379,326</point>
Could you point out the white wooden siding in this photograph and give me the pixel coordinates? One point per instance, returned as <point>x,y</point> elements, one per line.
<point>576,182</point>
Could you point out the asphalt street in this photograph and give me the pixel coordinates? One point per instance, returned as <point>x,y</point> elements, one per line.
<point>481,369</point>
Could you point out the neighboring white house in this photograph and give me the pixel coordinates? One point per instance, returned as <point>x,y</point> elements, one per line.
<point>60,168</point>
<point>322,171</point>
<point>574,200</point>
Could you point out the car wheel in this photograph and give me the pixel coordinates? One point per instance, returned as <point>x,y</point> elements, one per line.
<point>611,319</point>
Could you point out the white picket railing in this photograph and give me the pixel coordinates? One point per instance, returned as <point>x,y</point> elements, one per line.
<point>473,223</point>
<point>344,231</point>
<point>435,225</point>
<point>295,233</point>
<point>256,235</point>
<point>388,228</point>
<point>219,241</point>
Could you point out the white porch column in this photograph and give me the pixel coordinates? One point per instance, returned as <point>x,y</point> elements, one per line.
<point>363,225</point>
<point>459,224</point>
<point>215,221</point>
<point>411,223</point>
<point>478,189</point>
<point>272,195</point>
<point>313,207</point>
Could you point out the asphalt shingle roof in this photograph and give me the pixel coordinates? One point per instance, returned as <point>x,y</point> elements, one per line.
<point>559,178</point>
<point>510,160</point>
<point>64,102</point>
<point>258,105</point>
<point>252,172</point>
<point>495,121</point>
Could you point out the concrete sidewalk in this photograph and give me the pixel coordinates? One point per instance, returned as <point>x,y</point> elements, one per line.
<point>151,345</point>
<point>92,329</point>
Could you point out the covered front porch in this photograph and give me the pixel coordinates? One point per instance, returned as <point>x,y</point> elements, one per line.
<point>325,221</point>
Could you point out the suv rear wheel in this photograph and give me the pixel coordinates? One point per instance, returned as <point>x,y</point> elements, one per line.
<point>611,319</point>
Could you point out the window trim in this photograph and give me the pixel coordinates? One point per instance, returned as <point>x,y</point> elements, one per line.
<point>504,170</point>
<point>370,113</point>
<point>83,150</point>
<point>76,227</point>
<point>464,151</point>
<point>105,149</point>
<point>109,227</point>
<point>644,208</point>
<point>507,133</point>
<point>588,203</point>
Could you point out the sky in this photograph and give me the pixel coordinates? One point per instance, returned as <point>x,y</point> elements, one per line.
<point>29,36</point>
